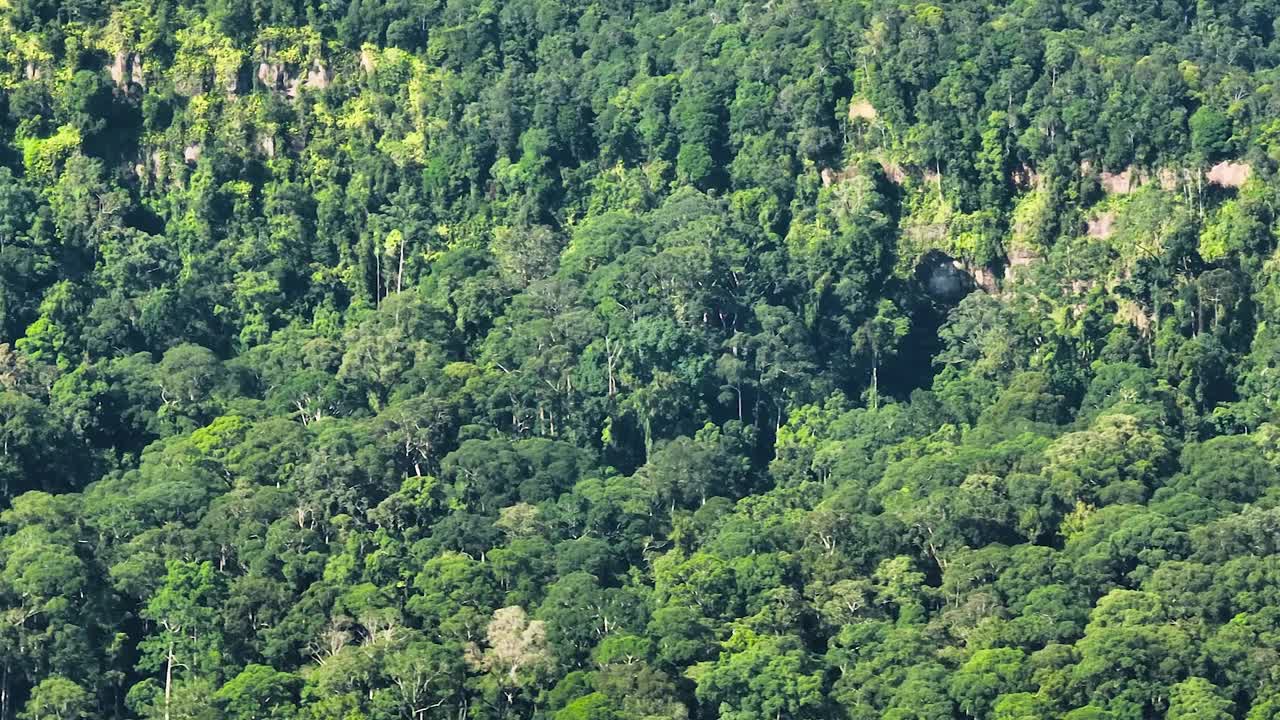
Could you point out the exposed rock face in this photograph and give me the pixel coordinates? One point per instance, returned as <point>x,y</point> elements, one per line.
<point>126,68</point>
<point>277,77</point>
<point>318,77</point>
<point>860,109</point>
<point>117,69</point>
<point>1121,183</point>
<point>1024,178</point>
<point>1102,225</point>
<point>1020,261</point>
<point>1225,174</point>
<point>985,280</point>
<point>943,277</point>
<point>191,154</point>
<point>894,172</point>
<point>831,177</point>
<point>1130,313</point>
<point>1229,174</point>
<point>273,76</point>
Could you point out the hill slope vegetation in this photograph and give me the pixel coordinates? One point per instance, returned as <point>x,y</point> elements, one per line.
<point>427,359</point>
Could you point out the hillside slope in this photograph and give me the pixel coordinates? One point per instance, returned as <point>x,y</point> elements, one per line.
<point>428,359</point>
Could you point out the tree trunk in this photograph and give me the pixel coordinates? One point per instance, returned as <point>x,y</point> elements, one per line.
<point>875,388</point>
<point>400,270</point>
<point>608,352</point>
<point>648,437</point>
<point>168,680</point>
<point>875,380</point>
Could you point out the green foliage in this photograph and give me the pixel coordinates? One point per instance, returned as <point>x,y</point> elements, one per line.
<point>1210,132</point>
<point>394,359</point>
<point>58,698</point>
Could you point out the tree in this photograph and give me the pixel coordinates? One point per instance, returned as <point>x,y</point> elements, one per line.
<point>186,637</point>
<point>426,678</point>
<point>192,380</point>
<point>1210,133</point>
<point>1225,468</point>
<point>57,698</point>
<point>526,254</point>
<point>29,443</point>
<point>1129,655</point>
<point>877,340</point>
<point>1198,698</point>
<point>921,697</point>
<point>516,653</point>
<point>259,692</point>
<point>763,677</point>
<point>1019,706</point>
<point>986,676</point>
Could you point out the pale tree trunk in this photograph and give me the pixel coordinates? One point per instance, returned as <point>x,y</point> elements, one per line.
<point>400,270</point>
<point>168,680</point>
<point>875,385</point>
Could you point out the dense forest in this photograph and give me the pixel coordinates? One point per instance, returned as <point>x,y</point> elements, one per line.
<point>639,360</point>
